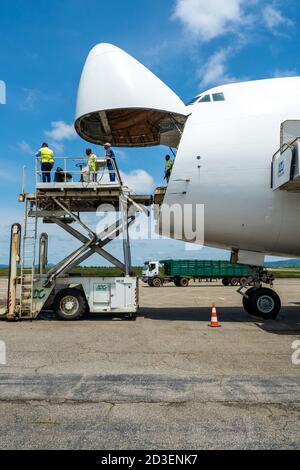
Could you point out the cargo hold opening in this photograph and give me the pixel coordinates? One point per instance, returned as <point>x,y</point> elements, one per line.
<point>132,127</point>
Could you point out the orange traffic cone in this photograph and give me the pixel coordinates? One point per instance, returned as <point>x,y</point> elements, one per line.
<point>214,319</point>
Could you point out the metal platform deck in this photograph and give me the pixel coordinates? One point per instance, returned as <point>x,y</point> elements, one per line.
<point>65,186</point>
<point>45,204</point>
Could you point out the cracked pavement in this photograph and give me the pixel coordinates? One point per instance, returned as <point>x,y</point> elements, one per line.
<point>166,381</point>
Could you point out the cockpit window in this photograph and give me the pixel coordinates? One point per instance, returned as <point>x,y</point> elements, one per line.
<point>193,101</point>
<point>205,99</point>
<point>218,97</point>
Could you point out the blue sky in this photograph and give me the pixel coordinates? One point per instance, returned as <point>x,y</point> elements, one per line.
<point>189,44</point>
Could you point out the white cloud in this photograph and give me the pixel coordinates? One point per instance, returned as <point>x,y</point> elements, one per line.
<point>139,181</point>
<point>26,148</point>
<point>208,19</point>
<point>273,18</point>
<point>215,71</point>
<point>30,99</point>
<point>61,131</point>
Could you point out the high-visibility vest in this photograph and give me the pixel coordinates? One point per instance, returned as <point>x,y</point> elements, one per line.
<point>92,161</point>
<point>169,165</point>
<point>47,155</point>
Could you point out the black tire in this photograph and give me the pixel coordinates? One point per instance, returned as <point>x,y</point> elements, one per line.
<point>150,283</point>
<point>130,316</point>
<point>156,282</point>
<point>70,304</point>
<point>225,282</point>
<point>234,281</point>
<point>246,302</point>
<point>264,303</point>
<point>184,282</point>
<point>177,283</point>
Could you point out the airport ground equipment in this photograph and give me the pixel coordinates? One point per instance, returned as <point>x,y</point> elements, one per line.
<point>156,273</point>
<point>33,287</point>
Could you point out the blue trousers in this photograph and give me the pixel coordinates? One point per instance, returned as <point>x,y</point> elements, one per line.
<point>112,176</point>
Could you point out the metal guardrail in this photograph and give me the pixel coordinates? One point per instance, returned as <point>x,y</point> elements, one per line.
<point>284,147</point>
<point>78,170</point>
<point>280,153</point>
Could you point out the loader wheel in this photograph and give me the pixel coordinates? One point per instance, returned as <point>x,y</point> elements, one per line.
<point>156,282</point>
<point>264,303</point>
<point>184,282</point>
<point>70,304</point>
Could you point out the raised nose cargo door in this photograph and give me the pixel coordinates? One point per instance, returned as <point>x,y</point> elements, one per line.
<point>120,101</point>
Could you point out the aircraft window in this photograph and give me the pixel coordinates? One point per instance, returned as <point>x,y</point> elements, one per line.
<point>193,101</point>
<point>205,99</point>
<point>218,97</point>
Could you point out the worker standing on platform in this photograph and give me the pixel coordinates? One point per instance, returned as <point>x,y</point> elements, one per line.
<point>168,168</point>
<point>46,157</point>
<point>111,163</point>
<point>92,164</point>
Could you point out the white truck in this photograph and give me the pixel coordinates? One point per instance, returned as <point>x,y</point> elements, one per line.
<point>152,275</point>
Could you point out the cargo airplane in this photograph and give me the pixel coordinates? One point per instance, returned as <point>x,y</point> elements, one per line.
<point>237,154</point>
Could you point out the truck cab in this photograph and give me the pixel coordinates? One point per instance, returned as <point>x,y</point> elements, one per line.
<point>150,270</point>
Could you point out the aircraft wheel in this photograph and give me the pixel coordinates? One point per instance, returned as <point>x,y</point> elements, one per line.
<point>264,303</point>
<point>70,304</point>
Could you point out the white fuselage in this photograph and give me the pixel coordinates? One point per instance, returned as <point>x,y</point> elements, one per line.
<point>236,140</point>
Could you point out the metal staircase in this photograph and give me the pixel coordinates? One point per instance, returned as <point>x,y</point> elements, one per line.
<point>28,259</point>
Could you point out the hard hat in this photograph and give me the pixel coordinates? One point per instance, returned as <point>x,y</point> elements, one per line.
<point>107,144</point>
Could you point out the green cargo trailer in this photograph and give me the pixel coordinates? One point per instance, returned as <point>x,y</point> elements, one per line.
<point>182,271</point>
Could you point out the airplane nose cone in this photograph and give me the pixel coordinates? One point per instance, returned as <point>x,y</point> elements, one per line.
<point>121,101</point>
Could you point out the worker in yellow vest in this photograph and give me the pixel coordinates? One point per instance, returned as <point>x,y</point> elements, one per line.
<point>92,164</point>
<point>168,168</point>
<point>46,157</point>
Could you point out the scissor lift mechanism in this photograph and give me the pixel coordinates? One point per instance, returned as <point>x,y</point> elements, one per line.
<point>63,207</point>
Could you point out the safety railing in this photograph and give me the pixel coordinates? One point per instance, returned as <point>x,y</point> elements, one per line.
<point>283,168</point>
<point>81,171</point>
<point>284,147</point>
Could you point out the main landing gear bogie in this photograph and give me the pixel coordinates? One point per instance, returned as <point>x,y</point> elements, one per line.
<point>262,302</point>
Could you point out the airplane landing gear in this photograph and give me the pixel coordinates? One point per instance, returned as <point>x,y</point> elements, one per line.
<point>260,301</point>
<point>263,303</point>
